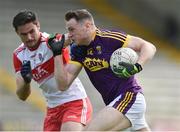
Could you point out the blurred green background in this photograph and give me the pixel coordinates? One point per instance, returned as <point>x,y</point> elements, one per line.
<point>157,21</point>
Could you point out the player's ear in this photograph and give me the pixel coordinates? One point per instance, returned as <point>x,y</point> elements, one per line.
<point>17,31</point>
<point>88,24</point>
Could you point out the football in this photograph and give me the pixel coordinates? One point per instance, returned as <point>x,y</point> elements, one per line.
<point>122,55</point>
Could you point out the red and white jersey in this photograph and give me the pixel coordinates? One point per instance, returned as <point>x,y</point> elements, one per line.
<point>42,65</point>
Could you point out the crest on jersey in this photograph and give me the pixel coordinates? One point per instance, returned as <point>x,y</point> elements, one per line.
<point>99,49</point>
<point>41,57</point>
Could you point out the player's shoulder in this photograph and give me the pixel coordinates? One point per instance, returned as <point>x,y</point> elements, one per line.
<point>44,37</point>
<point>111,33</point>
<point>105,32</point>
<point>45,34</point>
<point>19,49</point>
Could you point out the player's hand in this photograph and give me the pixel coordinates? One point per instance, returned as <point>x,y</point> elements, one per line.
<point>129,69</point>
<point>55,44</point>
<point>26,71</point>
<point>78,51</point>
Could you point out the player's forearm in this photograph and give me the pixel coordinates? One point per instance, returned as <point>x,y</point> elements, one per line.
<point>146,49</point>
<point>23,89</point>
<point>147,52</point>
<point>60,73</point>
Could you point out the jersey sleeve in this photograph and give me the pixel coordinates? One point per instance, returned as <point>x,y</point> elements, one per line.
<point>16,63</point>
<point>119,38</point>
<point>126,41</point>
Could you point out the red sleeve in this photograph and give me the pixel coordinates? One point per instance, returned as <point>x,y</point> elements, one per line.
<point>17,63</point>
<point>65,53</point>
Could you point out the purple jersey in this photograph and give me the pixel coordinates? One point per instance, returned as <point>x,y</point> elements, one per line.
<point>96,64</point>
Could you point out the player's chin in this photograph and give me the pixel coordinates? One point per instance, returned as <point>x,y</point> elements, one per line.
<point>81,43</point>
<point>31,44</point>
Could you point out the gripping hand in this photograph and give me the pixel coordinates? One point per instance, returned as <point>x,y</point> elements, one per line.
<point>129,69</point>
<point>26,71</point>
<point>55,44</point>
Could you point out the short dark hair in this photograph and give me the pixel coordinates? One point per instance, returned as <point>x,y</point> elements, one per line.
<point>23,17</point>
<point>78,15</point>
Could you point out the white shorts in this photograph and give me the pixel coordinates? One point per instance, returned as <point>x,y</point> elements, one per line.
<point>133,106</point>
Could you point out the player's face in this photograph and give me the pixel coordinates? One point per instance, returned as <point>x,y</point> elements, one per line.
<point>29,34</point>
<point>78,32</point>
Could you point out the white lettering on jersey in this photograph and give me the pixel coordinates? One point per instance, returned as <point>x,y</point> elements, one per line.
<point>40,73</point>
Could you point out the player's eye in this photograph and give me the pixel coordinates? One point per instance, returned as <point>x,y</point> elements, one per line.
<point>32,31</point>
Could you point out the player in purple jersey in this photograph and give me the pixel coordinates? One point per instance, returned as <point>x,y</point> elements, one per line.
<point>125,103</point>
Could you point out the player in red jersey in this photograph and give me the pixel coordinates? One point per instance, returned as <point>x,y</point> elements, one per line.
<point>68,110</point>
